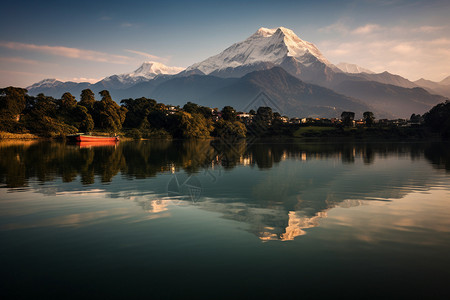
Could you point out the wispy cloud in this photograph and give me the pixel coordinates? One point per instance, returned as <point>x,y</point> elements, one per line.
<point>68,52</point>
<point>411,59</point>
<point>422,50</point>
<point>429,29</point>
<point>148,55</point>
<point>19,60</point>
<point>338,27</point>
<point>367,29</point>
<point>105,18</point>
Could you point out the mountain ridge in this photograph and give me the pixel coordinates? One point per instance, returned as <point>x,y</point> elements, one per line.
<point>265,50</point>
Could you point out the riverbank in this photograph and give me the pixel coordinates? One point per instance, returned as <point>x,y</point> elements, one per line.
<point>18,136</point>
<point>301,133</point>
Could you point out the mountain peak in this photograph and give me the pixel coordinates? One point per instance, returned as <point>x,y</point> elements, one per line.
<point>146,71</point>
<point>48,82</point>
<point>266,45</point>
<point>150,69</point>
<point>265,32</point>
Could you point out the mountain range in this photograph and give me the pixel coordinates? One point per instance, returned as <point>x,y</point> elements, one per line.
<point>293,74</point>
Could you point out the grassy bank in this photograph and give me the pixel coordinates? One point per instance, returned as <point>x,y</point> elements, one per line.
<point>364,132</point>
<point>17,136</point>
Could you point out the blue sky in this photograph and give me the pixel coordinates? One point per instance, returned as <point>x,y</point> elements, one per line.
<point>80,40</point>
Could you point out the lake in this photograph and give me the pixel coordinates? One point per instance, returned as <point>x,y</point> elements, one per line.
<point>211,220</point>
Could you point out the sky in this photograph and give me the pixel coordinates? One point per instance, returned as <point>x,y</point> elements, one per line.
<point>89,40</point>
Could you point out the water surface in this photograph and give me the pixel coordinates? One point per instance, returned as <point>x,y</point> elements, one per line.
<point>162,219</point>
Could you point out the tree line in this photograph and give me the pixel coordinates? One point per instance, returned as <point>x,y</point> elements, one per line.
<point>146,118</point>
<point>137,118</point>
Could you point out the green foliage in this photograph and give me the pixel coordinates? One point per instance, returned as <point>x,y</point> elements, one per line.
<point>12,102</point>
<point>262,122</point>
<point>87,99</point>
<point>228,129</point>
<point>369,118</point>
<point>107,114</point>
<point>438,119</point>
<point>67,102</point>
<point>347,118</point>
<point>138,111</point>
<point>81,119</point>
<point>193,108</point>
<point>159,119</point>
<point>264,115</point>
<point>192,125</point>
<point>43,117</point>
<point>229,114</point>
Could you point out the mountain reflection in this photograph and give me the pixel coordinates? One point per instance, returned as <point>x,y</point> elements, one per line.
<point>305,181</point>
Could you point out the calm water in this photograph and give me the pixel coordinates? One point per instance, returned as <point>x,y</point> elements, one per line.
<point>206,220</point>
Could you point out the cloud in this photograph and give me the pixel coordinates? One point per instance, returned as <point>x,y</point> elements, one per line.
<point>422,50</point>
<point>412,59</point>
<point>19,60</point>
<point>367,29</point>
<point>148,55</point>
<point>429,29</point>
<point>68,52</point>
<point>338,27</point>
<point>105,18</point>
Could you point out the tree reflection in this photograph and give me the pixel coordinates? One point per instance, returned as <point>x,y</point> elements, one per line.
<point>46,161</point>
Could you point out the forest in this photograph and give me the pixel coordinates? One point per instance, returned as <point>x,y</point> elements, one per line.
<point>145,118</point>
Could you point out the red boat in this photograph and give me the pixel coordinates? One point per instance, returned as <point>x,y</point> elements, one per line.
<point>96,144</point>
<point>92,138</point>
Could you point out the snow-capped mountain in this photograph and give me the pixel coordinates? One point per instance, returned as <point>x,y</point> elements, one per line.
<point>275,61</point>
<point>147,71</point>
<point>264,49</point>
<point>150,70</point>
<point>352,68</point>
<point>46,83</point>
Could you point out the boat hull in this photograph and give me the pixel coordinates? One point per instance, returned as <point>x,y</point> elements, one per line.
<point>91,138</point>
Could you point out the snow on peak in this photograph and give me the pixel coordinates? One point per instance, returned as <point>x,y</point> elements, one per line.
<point>352,68</point>
<point>150,69</point>
<point>48,82</point>
<point>265,45</point>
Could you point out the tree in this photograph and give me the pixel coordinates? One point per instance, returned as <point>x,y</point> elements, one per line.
<point>73,114</point>
<point>138,111</point>
<point>347,118</point>
<point>438,119</point>
<point>193,108</point>
<point>264,116</point>
<point>262,121</point>
<point>108,115</point>
<point>369,118</point>
<point>67,102</point>
<point>81,119</point>
<point>229,114</point>
<point>418,119</point>
<point>87,99</point>
<point>42,117</point>
<point>12,102</point>
<point>191,125</point>
<point>227,129</point>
